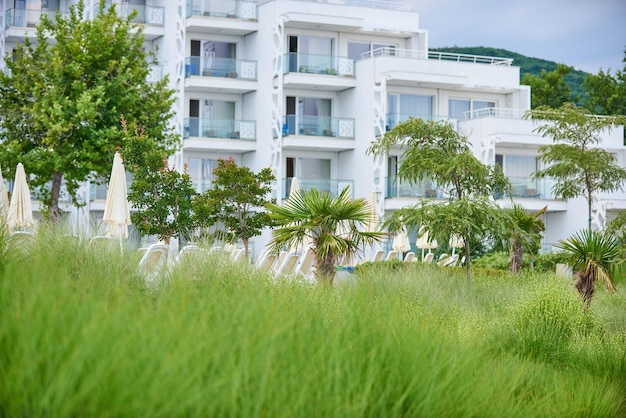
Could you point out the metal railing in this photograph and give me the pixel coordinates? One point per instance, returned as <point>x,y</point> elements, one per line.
<point>434,55</point>
<point>220,128</point>
<point>370,4</point>
<point>233,9</point>
<point>495,112</point>
<point>332,186</point>
<point>318,126</point>
<point>317,64</point>
<point>220,67</point>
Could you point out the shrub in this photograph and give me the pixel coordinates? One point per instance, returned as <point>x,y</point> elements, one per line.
<point>543,324</point>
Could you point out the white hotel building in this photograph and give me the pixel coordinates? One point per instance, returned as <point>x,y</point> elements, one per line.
<point>304,87</point>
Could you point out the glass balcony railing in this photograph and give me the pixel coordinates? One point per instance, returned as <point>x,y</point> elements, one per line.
<point>202,185</point>
<point>146,15</point>
<point>394,119</point>
<point>220,67</point>
<point>402,188</point>
<point>26,18</point>
<point>234,9</point>
<point>318,126</point>
<point>526,187</point>
<point>220,128</point>
<point>332,186</point>
<point>317,64</point>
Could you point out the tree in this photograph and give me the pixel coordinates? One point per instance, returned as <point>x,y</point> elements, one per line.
<point>526,236</point>
<point>575,161</point>
<point>236,202</point>
<point>60,101</point>
<point>550,89</point>
<point>436,151</point>
<point>161,195</point>
<point>607,93</point>
<point>593,256</point>
<point>334,226</point>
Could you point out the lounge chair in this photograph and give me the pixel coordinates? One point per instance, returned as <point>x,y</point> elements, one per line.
<point>378,256</point>
<point>409,257</point>
<point>288,265</point>
<point>266,262</point>
<point>392,255</point>
<point>189,251</point>
<point>153,259</point>
<point>428,258</point>
<point>306,262</point>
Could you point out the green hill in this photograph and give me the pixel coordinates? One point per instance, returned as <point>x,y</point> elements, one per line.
<point>527,65</point>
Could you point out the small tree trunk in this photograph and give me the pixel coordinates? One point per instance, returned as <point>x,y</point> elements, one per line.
<point>516,256</point>
<point>585,286</point>
<point>245,247</point>
<point>468,270</point>
<point>325,270</point>
<point>55,192</point>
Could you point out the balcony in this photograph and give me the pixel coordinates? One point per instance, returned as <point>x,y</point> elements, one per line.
<point>528,188</point>
<point>310,71</point>
<point>202,185</point>
<point>219,134</point>
<point>229,17</point>
<point>402,188</point>
<point>151,17</point>
<point>322,133</point>
<point>332,186</point>
<point>220,75</point>
<point>20,23</point>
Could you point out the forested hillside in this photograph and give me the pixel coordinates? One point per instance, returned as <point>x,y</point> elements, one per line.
<point>527,65</point>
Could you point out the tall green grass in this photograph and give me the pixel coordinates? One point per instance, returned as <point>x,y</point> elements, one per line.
<point>82,335</point>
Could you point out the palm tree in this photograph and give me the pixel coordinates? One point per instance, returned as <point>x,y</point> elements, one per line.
<point>526,234</point>
<point>332,225</point>
<point>593,256</point>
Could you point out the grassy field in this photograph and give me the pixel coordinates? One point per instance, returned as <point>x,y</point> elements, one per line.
<point>81,335</point>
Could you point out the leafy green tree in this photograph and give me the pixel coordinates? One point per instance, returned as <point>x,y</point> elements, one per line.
<point>550,89</point>
<point>607,92</point>
<point>436,151</point>
<point>593,256</point>
<point>335,226</point>
<point>161,195</point>
<point>575,160</point>
<point>526,236</point>
<point>60,101</point>
<point>236,201</point>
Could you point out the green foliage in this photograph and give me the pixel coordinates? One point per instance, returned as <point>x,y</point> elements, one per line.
<point>593,256</point>
<point>60,101</point>
<point>575,161</point>
<point>435,150</point>
<point>409,343</point>
<point>550,89</point>
<point>235,202</point>
<point>525,236</point>
<point>544,325</point>
<point>332,225</point>
<point>161,195</point>
<point>607,92</point>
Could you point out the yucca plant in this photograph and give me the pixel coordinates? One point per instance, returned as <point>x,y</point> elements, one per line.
<point>526,236</point>
<point>593,256</point>
<point>334,226</point>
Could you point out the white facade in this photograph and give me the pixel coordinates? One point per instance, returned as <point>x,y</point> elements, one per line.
<point>304,87</point>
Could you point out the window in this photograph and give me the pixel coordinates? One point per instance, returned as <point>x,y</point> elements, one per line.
<point>457,108</point>
<point>308,115</point>
<point>310,53</point>
<point>401,106</point>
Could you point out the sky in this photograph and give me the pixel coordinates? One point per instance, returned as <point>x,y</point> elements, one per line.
<point>588,35</point>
